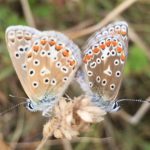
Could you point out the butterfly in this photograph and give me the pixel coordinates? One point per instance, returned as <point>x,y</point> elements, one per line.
<point>104,58</point>
<point>45,63</point>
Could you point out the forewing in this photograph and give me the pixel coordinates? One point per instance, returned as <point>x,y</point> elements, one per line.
<point>19,40</point>
<point>104,61</point>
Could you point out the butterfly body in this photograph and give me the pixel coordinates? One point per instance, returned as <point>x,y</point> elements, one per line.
<point>105,54</point>
<point>45,63</point>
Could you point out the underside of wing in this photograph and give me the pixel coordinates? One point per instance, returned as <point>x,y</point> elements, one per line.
<point>104,60</point>
<point>51,64</point>
<point>19,40</point>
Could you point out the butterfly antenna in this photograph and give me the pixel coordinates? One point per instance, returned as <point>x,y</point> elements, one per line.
<point>11,108</point>
<point>17,97</point>
<point>133,100</point>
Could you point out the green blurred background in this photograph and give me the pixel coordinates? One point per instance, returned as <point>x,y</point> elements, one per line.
<point>118,131</point>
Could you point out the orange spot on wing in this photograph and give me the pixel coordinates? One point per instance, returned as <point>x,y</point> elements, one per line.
<point>108,43</point>
<point>119,49</point>
<point>66,53</point>
<point>72,62</point>
<point>87,57</point>
<point>96,50</point>
<point>58,47</point>
<point>114,43</point>
<point>123,57</point>
<point>123,33</point>
<point>43,42</point>
<point>29,55</point>
<point>102,46</point>
<point>27,38</point>
<point>52,42</point>
<point>36,48</point>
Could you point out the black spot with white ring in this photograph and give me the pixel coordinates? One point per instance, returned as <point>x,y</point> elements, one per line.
<point>43,53</point>
<point>116,62</point>
<point>65,79</point>
<point>90,84</point>
<point>118,73</point>
<point>112,87</point>
<point>17,55</point>
<point>98,79</point>
<point>35,84</point>
<point>104,82</point>
<point>31,72</point>
<point>98,60</point>
<point>53,82</point>
<point>64,69</point>
<point>36,62</point>
<point>92,64</point>
<point>46,80</point>
<point>90,73</point>
<point>24,67</point>
<point>58,64</point>
<point>113,52</point>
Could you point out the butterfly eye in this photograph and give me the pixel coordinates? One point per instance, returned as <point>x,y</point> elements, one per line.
<point>29,106</point>
<point>115,106</point>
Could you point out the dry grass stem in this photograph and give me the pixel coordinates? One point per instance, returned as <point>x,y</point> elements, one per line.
<point>27,13</point>
<point>113,14</point>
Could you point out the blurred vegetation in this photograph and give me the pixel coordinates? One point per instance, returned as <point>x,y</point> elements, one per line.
<point>22,126</point>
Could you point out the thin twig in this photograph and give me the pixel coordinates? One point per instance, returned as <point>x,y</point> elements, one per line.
<point>27,13</point>
<point>66,144</point>
<point>58,142</point>
<point>113,14</point>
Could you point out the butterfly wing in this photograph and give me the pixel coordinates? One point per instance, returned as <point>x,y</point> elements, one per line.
<point>47,66</point>
<point>19,40</point>
<point>51,64</point>
<point>104,58</point>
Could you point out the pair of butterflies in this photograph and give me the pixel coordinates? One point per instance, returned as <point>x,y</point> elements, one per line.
<point>46,62</point>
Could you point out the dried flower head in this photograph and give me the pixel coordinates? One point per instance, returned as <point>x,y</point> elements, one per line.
<point>72,117</point>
